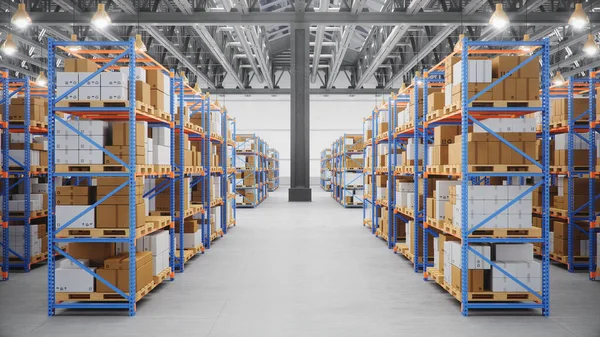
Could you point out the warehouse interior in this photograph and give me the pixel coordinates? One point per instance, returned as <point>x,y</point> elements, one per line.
<point>346,167</point>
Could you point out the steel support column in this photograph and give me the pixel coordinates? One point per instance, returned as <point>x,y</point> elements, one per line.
<point>300,159</point>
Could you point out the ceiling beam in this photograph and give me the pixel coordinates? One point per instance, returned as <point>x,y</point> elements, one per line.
<point>324,7</point>
<point>287,18</point>
<point>128,7</point>
<point>583,68</point>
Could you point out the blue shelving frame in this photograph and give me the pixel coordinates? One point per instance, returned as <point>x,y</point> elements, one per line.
<point>255,170</point>
<point>369,205</point>
<point>594,228</point>
<point>22,174</point>
<point>339,155</point>
<point>323,164</point>
<point>129,298</point>
<point>470,116</point>
<point>231,170</point>
<point>273,166</point>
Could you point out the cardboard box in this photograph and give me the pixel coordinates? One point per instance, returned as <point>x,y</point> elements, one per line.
<point>70,65</point>
<point>113,94</point>
<point>156,79</point>
<point>142,92</point>
<point>120,133</point>
<point>475,282</point>
<point>109,275</point>
<point>501,65</point>
<point>143,276</point>
<point>189,226</point>
<point>96,253</point>
<point>86,65</point>
<point>74,280</point>
<point>117,216</point>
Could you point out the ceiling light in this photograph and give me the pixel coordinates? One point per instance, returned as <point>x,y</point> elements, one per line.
<point>558,79</point>
<point>21,18</point>
<point>140,47</point>
<point>101,19</point>
<point>418,78</point>
<point>197,88</point>
<point>590,48</point>
<point>41,80</point>
<point>579,19</point>
<point>499,19</point>
<point>402,89</point>
<point>75,48</point>
<point>526,49</point>
<point>459,45</point>
<point>9,47</point>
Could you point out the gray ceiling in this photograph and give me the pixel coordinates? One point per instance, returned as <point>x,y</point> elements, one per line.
<point>354,51</point>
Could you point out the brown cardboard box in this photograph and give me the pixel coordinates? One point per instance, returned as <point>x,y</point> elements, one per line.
<point>561,230</point>
<point>448,211</point>
<point>109,275</point>
<point>142,92</point>
<point>70,65</point>
<point>493,151</point>
<point>435,101</point>
<point>533,89</point>
<point>116,181</point>
<point>157,99</point>
<point>141,258</point>
<point>501,65</point>
<point>383,127</point>
<point>475,282</point>
<point>86,65</point>
<point>114,262</point>
<point>143,276</point>
<point>444,135</point>
<point>498,91</point>
<point>189,226</point>
<point>76,190</point>
<point>482,153</point>
<point>561,247</point>
<point>522,86</point>
<point>120,134</point>
<point>72,200</point>
<point>105,190</point>
<point>530,69</point>
<point>431,207</point>
<point>95,252</point>
<point>510,88</point>
<point>155,79</point>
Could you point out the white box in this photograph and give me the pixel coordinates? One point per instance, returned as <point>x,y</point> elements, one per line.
<point>114,93</point>
<point>91,157</point>
<point>114,79</point>
<point>93,128</point>
<point>68,264</point>
<point>86,145</point>
<point>73,96</point>
<point>66,156</point>
<point>67,79</point>
<point>157,263</point>
<point>140,73</point>
<point>89,93</point>
<point>162,155</point>
<point>74,280</point>
<point>93,82</point>
<point>66,142</point>
<point>190,240</point>
<point>63,130</point>
<point>65,213</point>
<point>157,242</point>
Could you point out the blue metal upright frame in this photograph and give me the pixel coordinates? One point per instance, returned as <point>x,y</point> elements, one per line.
<point>129,298</point>
<point>594,228</point>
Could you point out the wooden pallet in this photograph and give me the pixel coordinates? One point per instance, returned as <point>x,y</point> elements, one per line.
<point>113,297</point>
<point>33,259</point>
<point>216,202</point>
<point>484,296</point>
<point>162,169</point>
<point>153,223</point>
<point>32,214</point>
<point>451,108</point>
<point>563,213</point>
<point>32,123</point>
<point>565,169</point>
<point>533,232</point>
<point>564,259</point>
<point>435,114</point>
<point>457,169</point>
<point>565,123</point>
<point>143,107</point>
<point>406,211</point>
<point>140,169</point>
<point>32,169</point>
<point>188,253</point>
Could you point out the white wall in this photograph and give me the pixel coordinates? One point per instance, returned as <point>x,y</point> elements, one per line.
<point>269,117</point>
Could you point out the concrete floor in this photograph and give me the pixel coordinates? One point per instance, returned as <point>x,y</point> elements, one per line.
<point>301,269</point>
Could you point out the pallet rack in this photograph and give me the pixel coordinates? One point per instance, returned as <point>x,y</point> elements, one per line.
<point>325,167</point>
<point>272,169</point>
<point>465,116</point>
<point>181,172</point>
<point>594,172</point>
<point>15,172</point>
<point>231,172</point>
<point>369,206</point>
<point>218,169</point>
<point>342,186</point>
<point>125,52</point>
<point>254,147</point>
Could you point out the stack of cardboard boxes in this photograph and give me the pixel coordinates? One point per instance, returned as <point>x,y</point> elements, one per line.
<point>485,149</point>
<point>192,235</point>
<point>484,201</point>
<point>38,151</point>
<point>38,110</point>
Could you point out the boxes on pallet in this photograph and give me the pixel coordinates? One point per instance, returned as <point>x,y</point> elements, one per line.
<point>74,280</point>
<point>527,272</point>
<point>479,71</point>
<point>65,214</point>
<point>140,73</point>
